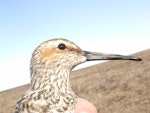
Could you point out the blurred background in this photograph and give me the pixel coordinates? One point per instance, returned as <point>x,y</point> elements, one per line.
<point>118,26</point>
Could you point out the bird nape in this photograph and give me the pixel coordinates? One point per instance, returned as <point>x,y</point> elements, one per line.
<point>51,64</point>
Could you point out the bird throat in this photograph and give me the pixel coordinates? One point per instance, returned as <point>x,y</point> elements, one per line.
<point>48,78</point>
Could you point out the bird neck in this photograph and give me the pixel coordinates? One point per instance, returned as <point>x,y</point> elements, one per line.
<point>48,78</point>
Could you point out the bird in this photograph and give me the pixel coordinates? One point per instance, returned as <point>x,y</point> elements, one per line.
<point>50,67</point>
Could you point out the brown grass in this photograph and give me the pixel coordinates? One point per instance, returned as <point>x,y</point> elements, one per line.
<point>113,87</point>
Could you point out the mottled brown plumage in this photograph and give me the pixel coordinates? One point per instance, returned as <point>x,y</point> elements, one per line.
<point>50,67</point>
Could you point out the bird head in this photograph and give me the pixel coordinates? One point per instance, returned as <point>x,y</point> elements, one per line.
<point>67,54</point>
<point>59,52</point>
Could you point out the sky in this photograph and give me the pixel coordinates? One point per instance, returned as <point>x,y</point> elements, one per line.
<point>110,26</point>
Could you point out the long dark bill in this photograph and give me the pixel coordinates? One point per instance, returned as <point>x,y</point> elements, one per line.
<point>102,56</point>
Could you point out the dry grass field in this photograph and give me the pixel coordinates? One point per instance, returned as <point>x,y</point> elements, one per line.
<point>113,87</point>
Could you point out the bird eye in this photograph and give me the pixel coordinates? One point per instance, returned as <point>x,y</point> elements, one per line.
<point>62,46</point>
